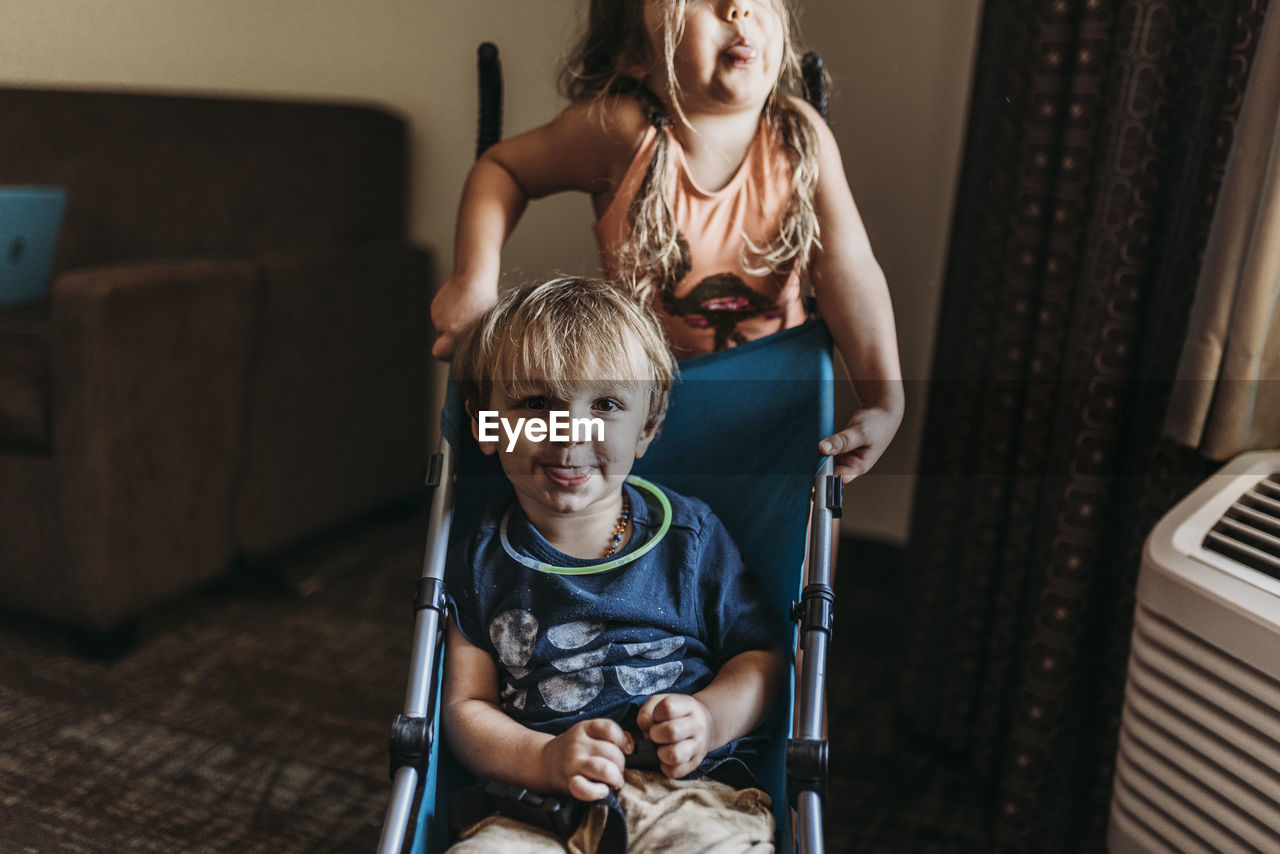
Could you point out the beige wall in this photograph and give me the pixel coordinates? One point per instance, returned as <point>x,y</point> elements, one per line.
<point>899,105</point>
<point>901,69</point>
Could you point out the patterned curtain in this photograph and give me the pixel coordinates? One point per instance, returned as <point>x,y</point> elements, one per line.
<point>1098,136</point>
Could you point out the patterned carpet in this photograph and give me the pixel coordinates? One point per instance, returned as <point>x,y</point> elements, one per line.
<point>250,718</point>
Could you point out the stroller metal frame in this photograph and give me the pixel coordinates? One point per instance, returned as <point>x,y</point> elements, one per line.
<point>412,734</point>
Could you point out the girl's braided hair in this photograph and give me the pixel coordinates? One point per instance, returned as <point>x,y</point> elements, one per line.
<point>615,37</point>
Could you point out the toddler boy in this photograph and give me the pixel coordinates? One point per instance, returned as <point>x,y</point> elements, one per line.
<point>599,617</point>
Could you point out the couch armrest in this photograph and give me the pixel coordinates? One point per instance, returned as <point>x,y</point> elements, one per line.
<point>24,379</point>
<point>338,397</point>
<point>149,367</point>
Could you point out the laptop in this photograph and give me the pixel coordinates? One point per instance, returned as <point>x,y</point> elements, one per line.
<point>30,218</point>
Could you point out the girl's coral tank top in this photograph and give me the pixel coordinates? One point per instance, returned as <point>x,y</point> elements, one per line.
<point>717,303</point>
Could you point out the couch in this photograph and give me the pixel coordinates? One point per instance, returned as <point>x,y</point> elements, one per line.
<point>233,357</point>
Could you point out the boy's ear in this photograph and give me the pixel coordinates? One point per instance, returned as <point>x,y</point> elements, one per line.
<point>646,438</point>
<point>487,448</point>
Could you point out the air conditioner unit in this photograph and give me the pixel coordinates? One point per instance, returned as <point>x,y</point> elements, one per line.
<point>1198,764</point>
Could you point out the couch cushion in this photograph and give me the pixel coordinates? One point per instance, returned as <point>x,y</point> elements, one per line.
<point>24,379</point>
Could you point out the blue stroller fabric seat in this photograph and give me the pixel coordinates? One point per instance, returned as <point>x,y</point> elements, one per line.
<point>741,434</point>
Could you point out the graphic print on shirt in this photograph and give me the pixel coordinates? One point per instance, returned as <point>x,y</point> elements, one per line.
<point>513,634</point>
<point>720,302</point>
<point>583,672</point>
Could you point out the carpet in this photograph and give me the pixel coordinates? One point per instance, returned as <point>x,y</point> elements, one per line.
<point>253,718</point>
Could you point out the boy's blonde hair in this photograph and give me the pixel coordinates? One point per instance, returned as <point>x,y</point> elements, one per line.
<point>550,337</point>
<point>615,38</point>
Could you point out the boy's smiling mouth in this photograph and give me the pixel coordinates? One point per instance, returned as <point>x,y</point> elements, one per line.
<point>568,476</point>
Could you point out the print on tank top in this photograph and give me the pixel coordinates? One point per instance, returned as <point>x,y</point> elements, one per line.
<point>720,302</point>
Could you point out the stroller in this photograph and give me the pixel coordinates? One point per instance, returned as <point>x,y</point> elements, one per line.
<point>741,434</point>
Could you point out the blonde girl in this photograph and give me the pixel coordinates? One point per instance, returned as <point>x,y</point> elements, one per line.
<point>718,197</point>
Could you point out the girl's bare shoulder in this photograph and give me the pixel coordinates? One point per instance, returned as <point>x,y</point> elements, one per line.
<point>617,123</point>
<point>607,132</point>
<point>804,108</point>
<point>828,150</point>
<point>579,149</point>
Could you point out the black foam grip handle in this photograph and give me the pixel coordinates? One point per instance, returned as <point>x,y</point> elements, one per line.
<point>489,71</point>
<point>815,83</point>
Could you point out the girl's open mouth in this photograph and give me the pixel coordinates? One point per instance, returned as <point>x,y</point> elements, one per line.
<point>741,53</point>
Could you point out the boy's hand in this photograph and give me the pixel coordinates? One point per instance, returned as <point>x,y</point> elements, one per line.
<point>587,760</point>
<point>680,726</point>
<point>857,447</point>
<point>458,304</point>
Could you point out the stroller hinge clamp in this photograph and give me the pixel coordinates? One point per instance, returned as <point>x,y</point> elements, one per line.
<point>815,610</point>
<point>434,468</point>
<point>806,767</point>
<point>410,743</point>
<point>431,595</point>
<point>835,495</point>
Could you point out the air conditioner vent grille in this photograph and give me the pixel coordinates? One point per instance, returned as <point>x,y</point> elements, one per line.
<point>1249,532</point>
<point>1198,766</point>
<point>1198,753</point>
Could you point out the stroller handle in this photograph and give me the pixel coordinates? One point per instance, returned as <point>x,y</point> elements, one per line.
<point>489,75</point>
<point>814,75</point>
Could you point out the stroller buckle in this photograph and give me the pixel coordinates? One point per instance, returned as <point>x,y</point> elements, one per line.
<point>555,814</point>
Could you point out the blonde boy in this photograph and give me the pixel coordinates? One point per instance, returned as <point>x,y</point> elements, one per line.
<point>598,614</point>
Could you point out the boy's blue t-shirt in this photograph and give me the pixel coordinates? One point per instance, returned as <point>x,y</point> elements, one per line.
<point>569,647</point>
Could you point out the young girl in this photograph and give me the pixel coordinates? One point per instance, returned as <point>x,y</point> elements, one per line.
<point>715,195</point>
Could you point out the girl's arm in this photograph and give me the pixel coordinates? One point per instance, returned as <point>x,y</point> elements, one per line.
<point>854,300</point>
<point>586,761</point>
<point>492,202</point>
<point>687,727</point>
<point>586,147</point>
